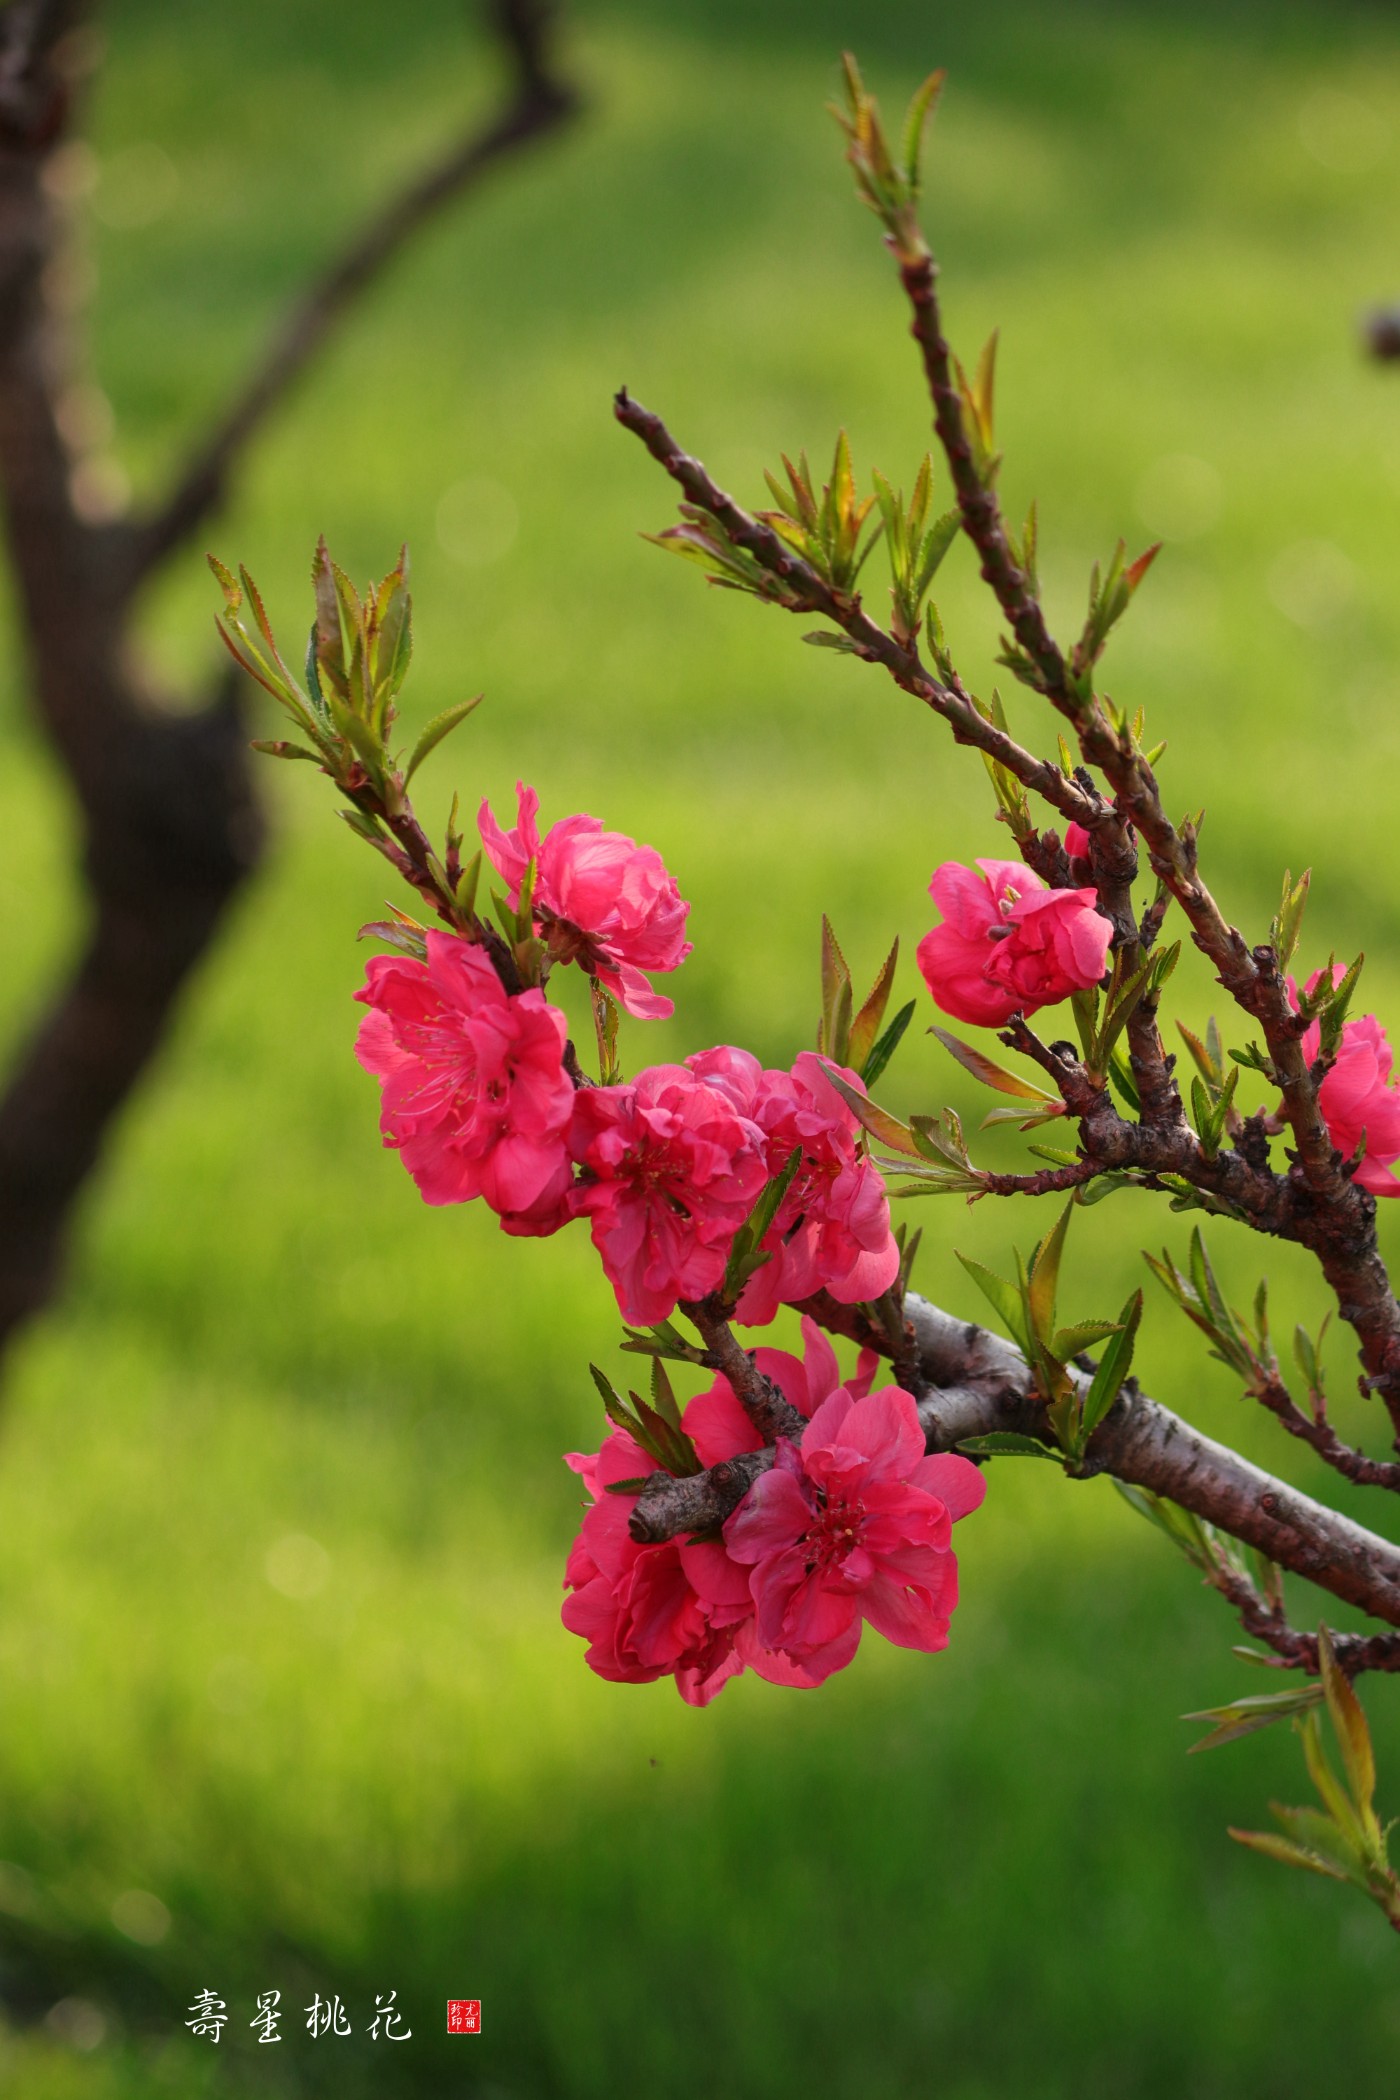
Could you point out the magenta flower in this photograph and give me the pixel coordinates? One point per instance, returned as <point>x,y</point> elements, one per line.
<point>682,1608</point>
<point>1009,944</point>
<point>853,1525</point>
<point>1359,1097</point>
<point>671,1173</point>
<point>600,899</point>
<point>636,1605</point>
<point>475,1095</point>
<point>832,1231</point>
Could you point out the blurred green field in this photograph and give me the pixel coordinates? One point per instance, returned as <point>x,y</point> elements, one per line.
<point>282,1517</point>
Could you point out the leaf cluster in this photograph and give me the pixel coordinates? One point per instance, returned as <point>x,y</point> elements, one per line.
<point>655,1425</point>
<point>1027,1309</point>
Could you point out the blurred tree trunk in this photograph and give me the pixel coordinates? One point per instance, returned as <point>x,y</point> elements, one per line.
<point>170,823</point>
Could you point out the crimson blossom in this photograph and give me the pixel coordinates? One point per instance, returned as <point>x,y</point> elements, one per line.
<point>832,1229</point>
<point>671,1172</point>
<point>599,899</point>
<point>691,1609</point>
<point>475,1096</point>
<point>1359,1097</point>
<point>854,1524</point>
<point>1008,943</point>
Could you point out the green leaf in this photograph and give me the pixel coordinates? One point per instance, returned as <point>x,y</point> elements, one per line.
<point>1282,1849</point>
<point>1349,1721</point>
<point>836,997</point>
<point>1245,1716</point>
<point>441,726</point>
<point>330,645</point>
<point>990,1072</point>
<point>887,1045</point>
<point>408,940</point>
<point>912,140</point>
<point>1113,1368</point>
<point>1288,919</point>
<point>866,1025</point>
<point>1003,1297</point>
<point>1334,1797</point>
<point>663,1398</point>
<point>1069,1342</point>
<point>1319,1834</point>
<point>745,1255</point>
<point>1044,1277</point>
<point>395,642</point>
<point>277,747</point>
<point>878,1121</point>
<point>1007,1443</point>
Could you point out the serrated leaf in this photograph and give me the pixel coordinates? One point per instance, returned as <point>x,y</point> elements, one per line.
<point>1031,1119</point>
<point>824,638</point>
<point>920,109</point>
<point>1114,1367</point>
<point>394,934</point>
<point>836,997</point>
<point>866,1026</point>
<point>1003,1297</point>
<point>1318,1834</point>
<point>1334,1796</point>
<point>441,726</point>
<point>990,1072</point>
<point>1243,1717</point>
<point>1349,1721</point>
<point>1069,1342</point>
<point>1282,1849</point>
<point>1008,1443</point>
<point>278,747</point>
<point>887,1045</point>
<point>878,1121</point>
<point>663,1398</point>
<point>1044,1276</point>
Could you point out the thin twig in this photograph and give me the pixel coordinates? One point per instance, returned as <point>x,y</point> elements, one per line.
<point>809,593</point>
<point>973,1383</point>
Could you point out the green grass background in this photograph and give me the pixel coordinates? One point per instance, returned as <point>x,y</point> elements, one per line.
<point>988,1873</point>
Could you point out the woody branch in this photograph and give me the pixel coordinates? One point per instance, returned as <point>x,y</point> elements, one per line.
<point>973,1383</point>
<point>170,825</point>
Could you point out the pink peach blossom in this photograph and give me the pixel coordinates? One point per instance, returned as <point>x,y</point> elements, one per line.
<point>853,1525</point>
<point>475,1095</point>
<point>1359,1096</point>
<point>635,1605</point>
<point>600,899</point>
<point>1008,943</point>
<point>671,1172</point>
<point>1076,842</point>
<point>683,1608</point>
<point>832,1230</point>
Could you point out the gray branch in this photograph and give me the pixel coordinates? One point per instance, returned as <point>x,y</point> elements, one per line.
<point>973,1383</point>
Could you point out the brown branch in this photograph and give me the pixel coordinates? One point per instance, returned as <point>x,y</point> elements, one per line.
<point>1335,1218</point>
<point>807,592</point>
<point>170,824</point>
<point>972,1383</point>
<point>541,102</point>
<point>1322,1438</point>
<point>1295,1649</point>
<point>766,1405</point>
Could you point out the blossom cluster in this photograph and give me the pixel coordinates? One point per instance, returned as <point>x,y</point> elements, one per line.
<point>850,1522</point>
<point>850,1525</point>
